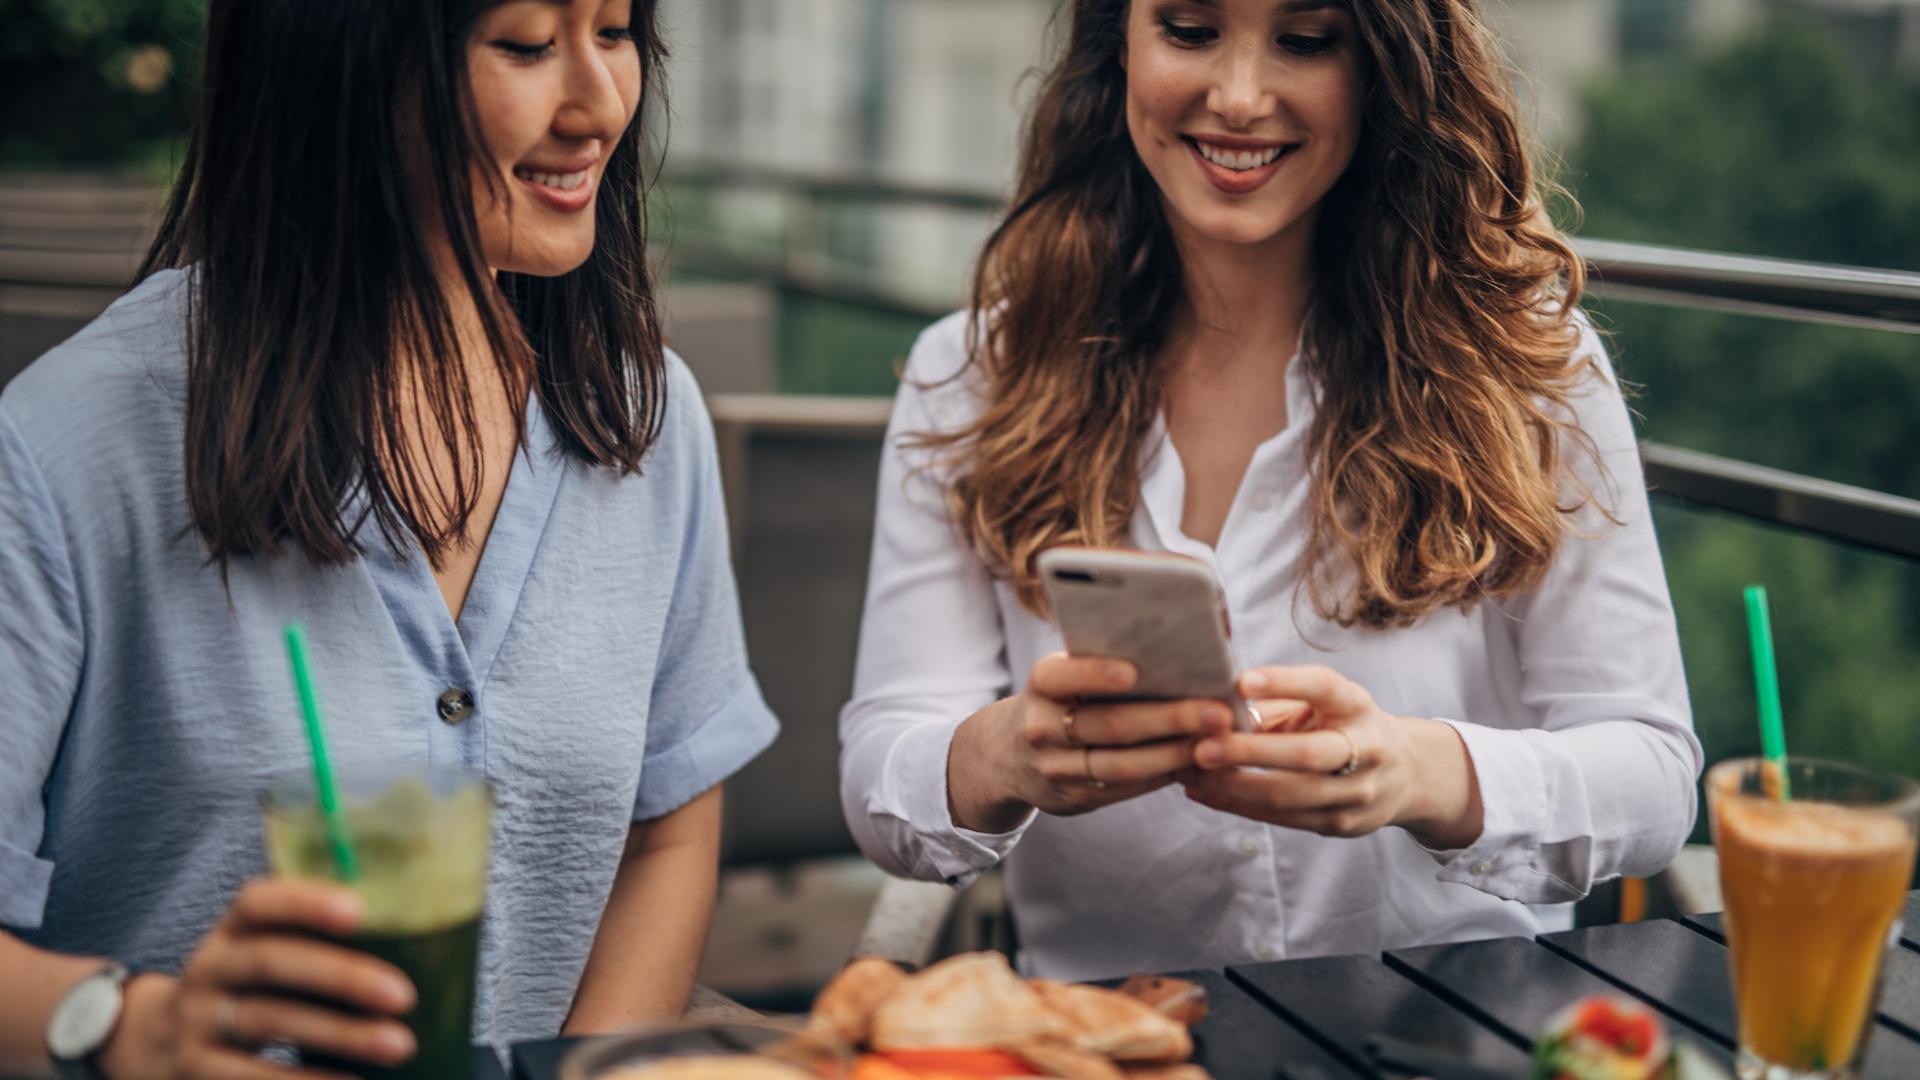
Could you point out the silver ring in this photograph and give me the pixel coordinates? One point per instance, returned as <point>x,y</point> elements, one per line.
<point>1086,756</point>
<point>1353,755</point>
<point>1253,714</point>
<point>226,1020</point>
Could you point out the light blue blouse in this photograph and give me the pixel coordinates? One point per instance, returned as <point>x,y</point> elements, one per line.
<point>143,706</point>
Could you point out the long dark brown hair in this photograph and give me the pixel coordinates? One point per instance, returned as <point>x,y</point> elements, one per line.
<point>1442,331</point>
<point>331,139</point>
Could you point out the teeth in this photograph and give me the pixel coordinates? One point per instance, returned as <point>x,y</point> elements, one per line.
<point>1240,160</point>
<point>561,181</point>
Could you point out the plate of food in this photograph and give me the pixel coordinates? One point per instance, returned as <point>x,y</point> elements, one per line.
<point>969,1017</point>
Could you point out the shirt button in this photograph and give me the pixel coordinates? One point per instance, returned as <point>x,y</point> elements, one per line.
<point>1264,952</point>
<point>1262,501</point>
<point>1482,869</point>
<point>1249,847</point>
<point>960,853</point>
<point>455,705</point>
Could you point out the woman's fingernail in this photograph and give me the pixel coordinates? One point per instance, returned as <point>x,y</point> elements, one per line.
<point>346,907</point>
<point>1216,716</point>
<point>1253,682</point>
<point>396,1043</point>
<point>1120,675</point>
<point>1209,754</point>
<point>400,993</point>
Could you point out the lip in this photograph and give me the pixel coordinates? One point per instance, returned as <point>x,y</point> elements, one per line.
<point>563,199</point>
<point>1236,182</point>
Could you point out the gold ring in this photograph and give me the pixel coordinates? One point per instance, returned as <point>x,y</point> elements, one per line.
<point>1353,755</point>
<point>226,1020</point>
<point>1066,725</point>
<point>1086,754</point>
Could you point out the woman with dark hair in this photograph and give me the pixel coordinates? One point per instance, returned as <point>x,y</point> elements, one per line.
<point>394,370</point>
<point>1276,292</point>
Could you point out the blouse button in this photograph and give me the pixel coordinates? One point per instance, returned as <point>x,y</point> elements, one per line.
<point>1262,501</point>
<point>455,705</point>
<point>1249,847</point>
<point>1264,952</point>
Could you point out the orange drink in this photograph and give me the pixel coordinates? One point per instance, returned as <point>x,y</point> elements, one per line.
<point>1813,887</point>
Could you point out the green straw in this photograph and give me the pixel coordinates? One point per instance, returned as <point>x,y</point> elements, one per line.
<point>323,785</point>
<point>1766,684</point>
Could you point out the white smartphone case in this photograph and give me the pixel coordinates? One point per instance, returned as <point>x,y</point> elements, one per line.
<point>1165,614</point>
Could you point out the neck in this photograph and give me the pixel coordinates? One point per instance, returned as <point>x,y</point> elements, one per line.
<point>482,371</point>
<point>1246,300</point>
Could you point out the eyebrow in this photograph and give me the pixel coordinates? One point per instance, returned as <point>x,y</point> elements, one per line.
<point>1291,7</point>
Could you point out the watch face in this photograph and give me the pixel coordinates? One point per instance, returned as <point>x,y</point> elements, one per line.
<point>85,1017</point>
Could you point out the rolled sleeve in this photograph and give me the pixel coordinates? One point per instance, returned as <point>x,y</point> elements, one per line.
<point>24,881</point>
<point>671,776</point>
<point>41,655</point>
<point>707,718</point>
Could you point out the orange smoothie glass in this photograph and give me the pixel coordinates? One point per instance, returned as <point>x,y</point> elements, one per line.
<point>1813,889</point>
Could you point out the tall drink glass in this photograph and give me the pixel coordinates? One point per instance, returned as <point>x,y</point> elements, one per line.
<point>421,839</point>
<point>1813,889</point>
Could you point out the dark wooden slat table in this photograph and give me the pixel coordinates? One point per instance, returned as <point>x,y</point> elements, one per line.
<point>1476,1004</point>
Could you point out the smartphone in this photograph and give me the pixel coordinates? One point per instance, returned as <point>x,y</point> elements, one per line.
<point>1165,614</point>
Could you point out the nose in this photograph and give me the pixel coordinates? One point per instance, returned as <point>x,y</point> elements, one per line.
<point>591,105</point>
<point>1240,94</point>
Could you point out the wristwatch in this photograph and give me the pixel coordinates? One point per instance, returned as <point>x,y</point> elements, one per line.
<point>84,1021</point>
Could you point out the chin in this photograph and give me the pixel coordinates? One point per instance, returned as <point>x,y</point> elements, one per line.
<point>545,263</point>
<point>1237,226</point>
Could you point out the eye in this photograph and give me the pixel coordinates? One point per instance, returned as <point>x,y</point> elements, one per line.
<point>522,51</point>
<point>1187,35</point>
<point>617,34</point>
<point>1309,44</point>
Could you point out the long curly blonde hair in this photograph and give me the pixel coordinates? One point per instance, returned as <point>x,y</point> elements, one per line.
<point>1442,332</point>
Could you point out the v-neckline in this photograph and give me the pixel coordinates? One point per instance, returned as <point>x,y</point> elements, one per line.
<point>507,557</point>
<point>410,589</point>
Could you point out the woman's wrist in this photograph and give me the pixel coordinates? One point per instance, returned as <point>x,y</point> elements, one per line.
<point>1444,810</point>
<point>975,798</point>
<point>137,1043</point>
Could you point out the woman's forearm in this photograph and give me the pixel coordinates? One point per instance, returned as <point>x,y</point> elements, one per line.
<point>1448,814</point>
<point>36,981</point>
<point>654,929</point>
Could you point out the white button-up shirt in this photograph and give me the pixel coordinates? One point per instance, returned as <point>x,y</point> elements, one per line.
<point>1571,702</point>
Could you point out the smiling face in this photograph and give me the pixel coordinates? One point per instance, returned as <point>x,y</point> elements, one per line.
<point>555,84</point>
<point>1245,111</point>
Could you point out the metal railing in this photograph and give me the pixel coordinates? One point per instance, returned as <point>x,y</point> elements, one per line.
<point>1808,292</point>
<point>1776,288</point>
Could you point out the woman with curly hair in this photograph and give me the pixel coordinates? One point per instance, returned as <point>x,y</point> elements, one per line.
<point>1277,292</point>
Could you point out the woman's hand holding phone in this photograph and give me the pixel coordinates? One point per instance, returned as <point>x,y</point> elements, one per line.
<point>1045,749</point>
<point>1330,761</point>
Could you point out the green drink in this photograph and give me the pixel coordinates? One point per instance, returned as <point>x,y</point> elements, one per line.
<point>421,842</point>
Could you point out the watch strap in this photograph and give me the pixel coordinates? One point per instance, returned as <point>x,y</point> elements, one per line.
<point>83,1067</point>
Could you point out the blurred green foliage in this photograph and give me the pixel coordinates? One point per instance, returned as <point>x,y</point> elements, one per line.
<point>96,82</point>
<point>1781,145</point>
